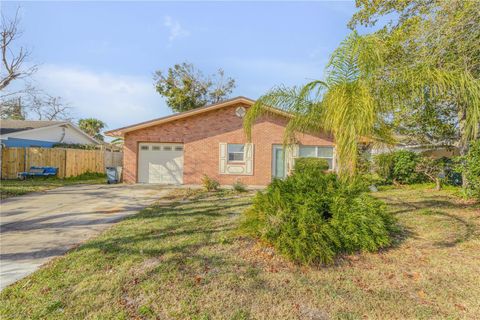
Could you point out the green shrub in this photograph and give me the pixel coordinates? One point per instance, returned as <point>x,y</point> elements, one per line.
<point>469,165</point>
<point>75,146</point>
<point>364,163</point>
<point>210,184</point>
<point>405,163</point>
<point>88,176</point>
<point>311,217</point>
<point>398,166</point>
<point>238,186</point>
<point>383,166</point>
<point>310,164</point>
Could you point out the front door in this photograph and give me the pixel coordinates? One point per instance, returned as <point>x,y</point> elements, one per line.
<point>279,169</point>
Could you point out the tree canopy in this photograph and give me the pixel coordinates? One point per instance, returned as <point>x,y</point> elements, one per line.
<point>343,104</point>
<point>437,43</point>
<point>93,127</point>
<point>409,75</point>
<point>186,88</point>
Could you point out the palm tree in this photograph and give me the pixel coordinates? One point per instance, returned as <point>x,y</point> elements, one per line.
<point>92,127</point>
<point>345,104</point>
<point>358,99</point>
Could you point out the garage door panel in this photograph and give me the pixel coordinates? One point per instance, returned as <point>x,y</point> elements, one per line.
<point>160,163</point>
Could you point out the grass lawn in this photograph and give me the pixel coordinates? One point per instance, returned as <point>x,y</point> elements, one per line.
<point>13,188</point>
<point>185,261</point>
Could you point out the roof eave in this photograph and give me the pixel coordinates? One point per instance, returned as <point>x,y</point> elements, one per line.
<point>121,131</point>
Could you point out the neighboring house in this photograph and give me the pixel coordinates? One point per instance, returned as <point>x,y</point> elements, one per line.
<point>429,150</point>
<point>26,133</point>
<point>181,148</point>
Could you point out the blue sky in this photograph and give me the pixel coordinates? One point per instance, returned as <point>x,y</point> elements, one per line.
<point>100,56</point>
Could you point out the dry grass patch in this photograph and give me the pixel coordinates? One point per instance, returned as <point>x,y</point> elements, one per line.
<point>183,259</point>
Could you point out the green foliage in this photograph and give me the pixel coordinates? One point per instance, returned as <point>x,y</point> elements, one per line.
<point>383,166</point>
<point>313,216</point>
<point>404,165</point>
<point>433,169</point>
<point>75,146</point>
<point>146,311</point>
<point>344,104</point>
<point>398,166</point>
<point>433,64</point>
<point>93,127</point>
<point>469,165</point>
<point>210,184</point>
<point>238,186</point>
<point>310,165</point>
<point>186,88</point>
<point>87,176</point>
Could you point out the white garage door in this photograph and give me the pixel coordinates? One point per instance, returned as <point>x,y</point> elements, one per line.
<point>160,163</point>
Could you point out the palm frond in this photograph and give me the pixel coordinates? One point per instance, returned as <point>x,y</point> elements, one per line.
<point>343,105</point>
<point>297,101</point>
<point>459,84</point>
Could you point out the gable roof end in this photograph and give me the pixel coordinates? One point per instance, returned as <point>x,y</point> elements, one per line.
<point>121,131</point>
<point>10,126</point>
<point>13,128</point>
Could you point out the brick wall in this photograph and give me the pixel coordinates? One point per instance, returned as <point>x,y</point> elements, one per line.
<point>201,135</point>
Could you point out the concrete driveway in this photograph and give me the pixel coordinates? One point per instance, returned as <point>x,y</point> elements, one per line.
<point>40,226</point>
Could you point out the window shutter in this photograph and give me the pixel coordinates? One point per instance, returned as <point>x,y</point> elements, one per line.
<point>248,158</point>
<point>222,157</point>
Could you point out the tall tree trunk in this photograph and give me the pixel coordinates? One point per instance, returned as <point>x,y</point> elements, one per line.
<point>438,184</point>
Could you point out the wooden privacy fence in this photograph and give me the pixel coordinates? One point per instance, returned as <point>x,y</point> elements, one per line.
<point>70,162</point>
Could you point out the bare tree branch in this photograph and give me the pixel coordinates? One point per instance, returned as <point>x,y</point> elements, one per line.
<point>50,108</point>
<point>12,60</point>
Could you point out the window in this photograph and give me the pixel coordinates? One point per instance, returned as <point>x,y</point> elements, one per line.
<point>178,148</point>
<point>317,152</point>
<point>167,148</point>
<point>308,152</point>
<point>144,148</point>
<point>236,152</point>
<point>156,148</point>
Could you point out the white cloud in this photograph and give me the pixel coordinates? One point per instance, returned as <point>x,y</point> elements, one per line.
<point>118,100</point>
<point>175,29</point>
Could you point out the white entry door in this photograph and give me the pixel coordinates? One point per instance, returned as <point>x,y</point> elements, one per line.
<point>160,163</point>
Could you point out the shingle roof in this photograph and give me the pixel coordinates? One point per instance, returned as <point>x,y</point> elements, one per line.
<point>10,126</point>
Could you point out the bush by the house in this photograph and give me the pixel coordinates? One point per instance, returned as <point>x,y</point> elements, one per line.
<point>469,165</point>
<point>210,184</point>
<point>398,167</point>
<point>313,216</point>
<point>310,164</point>
<point>238,186</point>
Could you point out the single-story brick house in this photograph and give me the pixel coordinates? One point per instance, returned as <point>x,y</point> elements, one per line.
<point>183,147</point>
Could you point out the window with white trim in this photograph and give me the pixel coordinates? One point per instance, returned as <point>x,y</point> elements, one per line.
<point>323,152</point>
<point>236,152</point>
